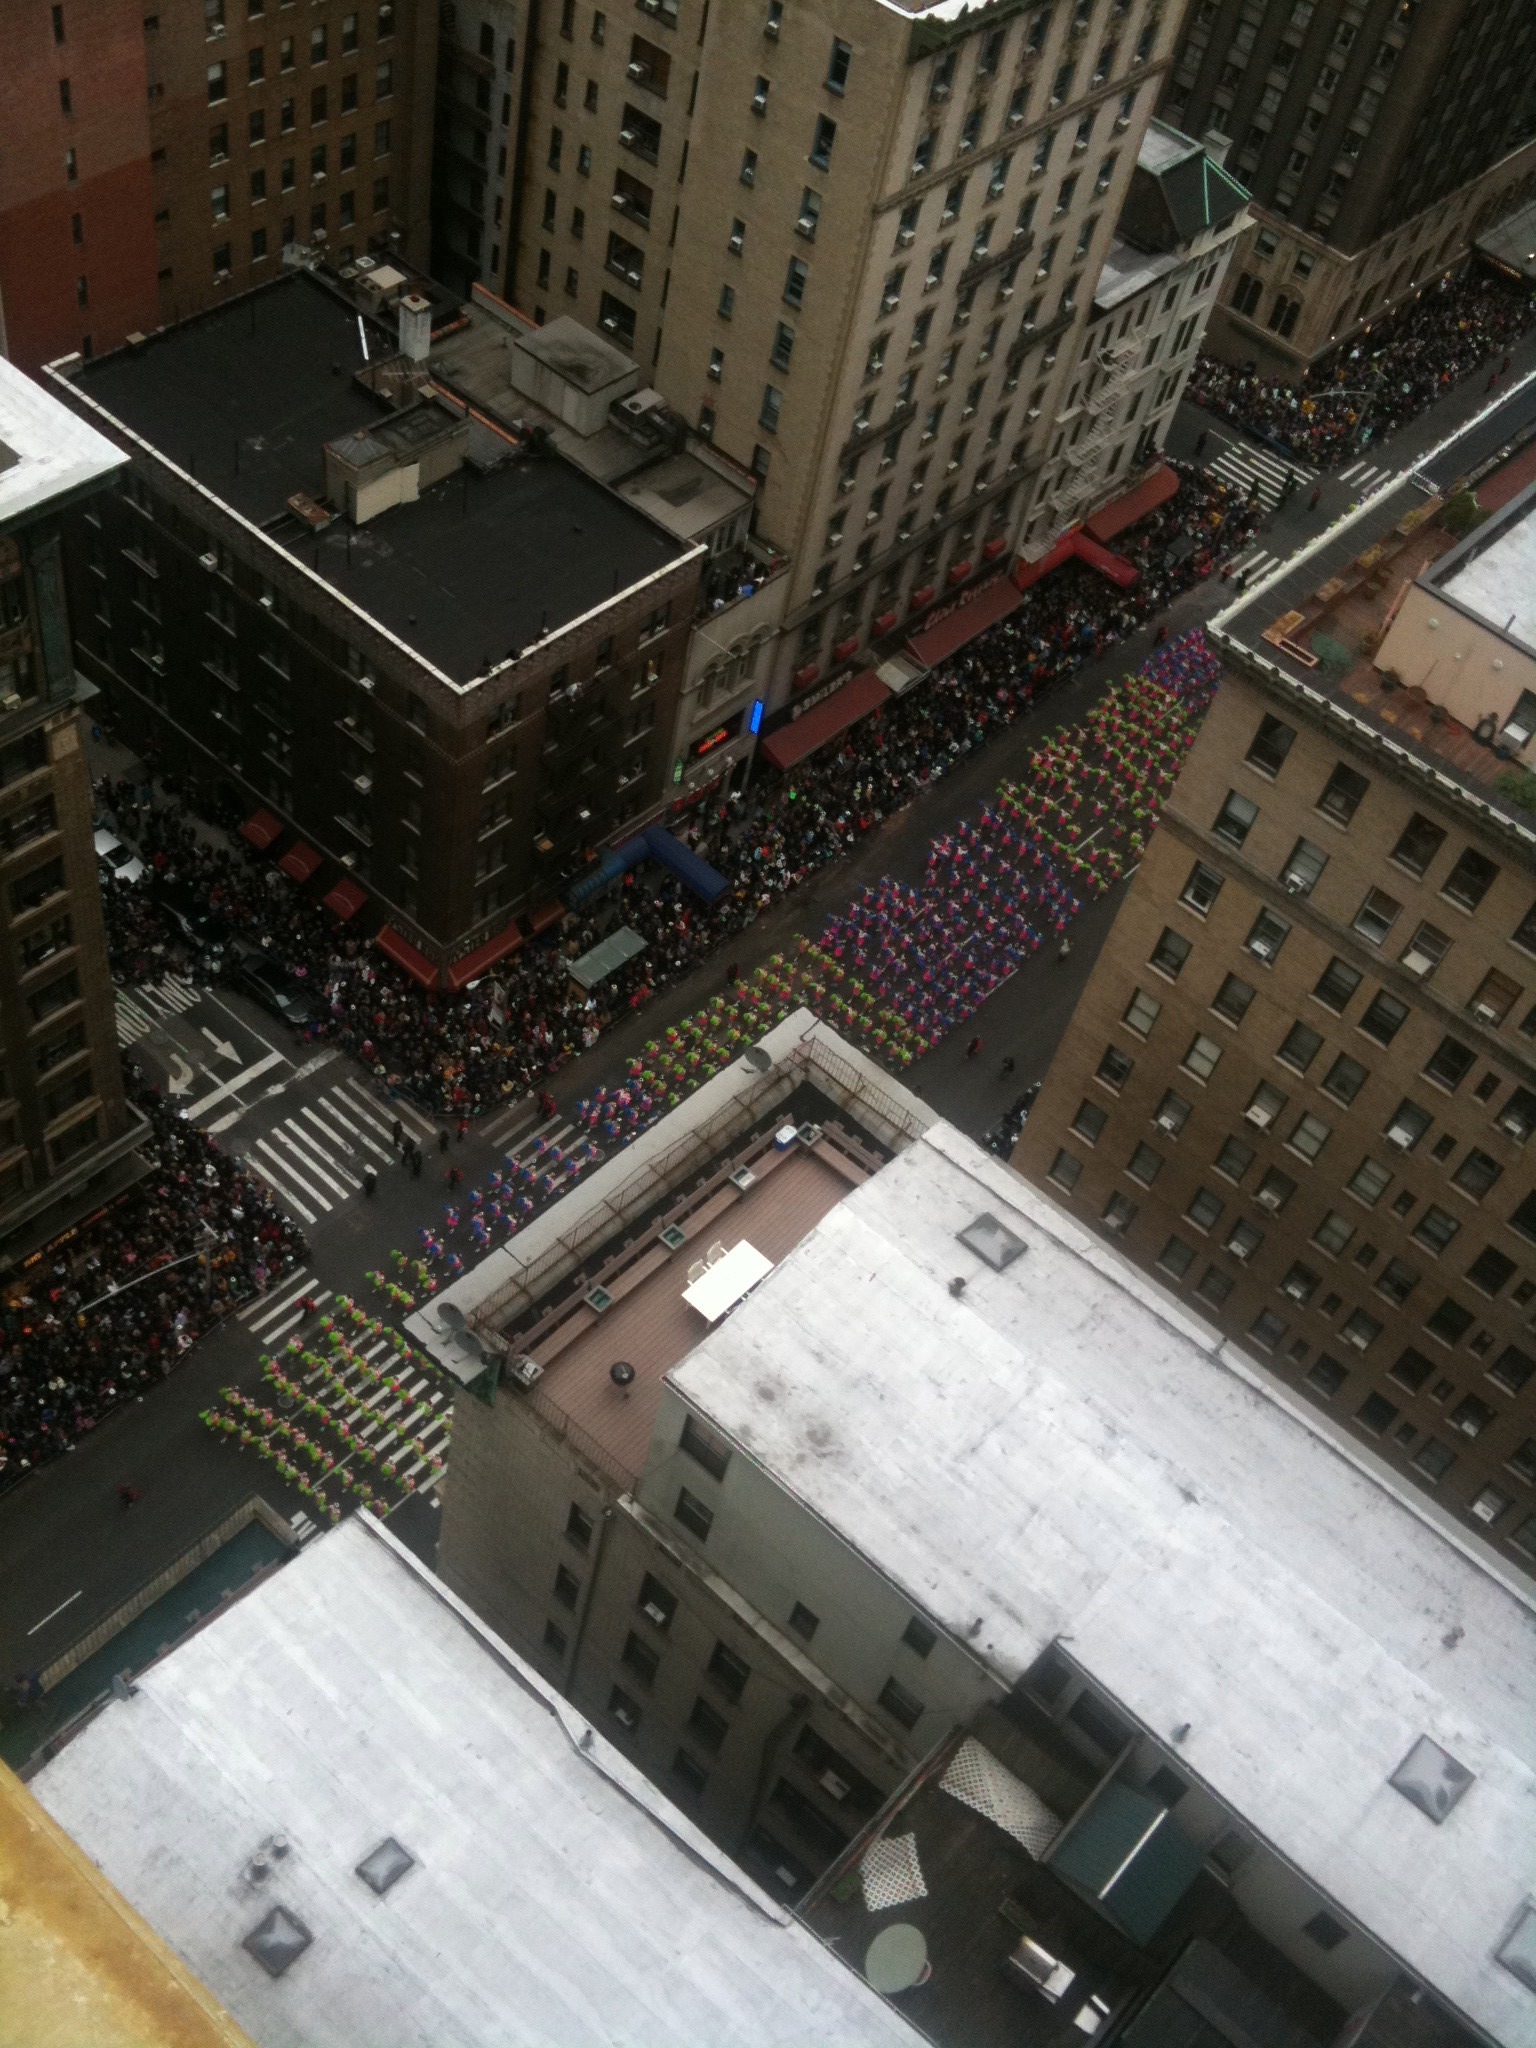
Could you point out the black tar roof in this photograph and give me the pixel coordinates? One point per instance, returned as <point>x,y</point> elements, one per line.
<point>244,398</point>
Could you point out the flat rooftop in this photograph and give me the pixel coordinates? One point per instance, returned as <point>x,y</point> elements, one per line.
<point>1341,586</point>
<point>553,1895</point>
<point>47,452</point>
<point>1062,1451</point>
<point>1493,573</point>
<point>245,398</point>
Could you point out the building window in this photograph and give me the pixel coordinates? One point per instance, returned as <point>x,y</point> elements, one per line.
<point>728,1673</point>
<point>1170,953</point>
<point>821,143</point>
<point>694,1514</point>
<point>1477,1174</point>
<point>1203,1057</point>
<point>567,1587</point>
<point>1141,1014</point>
<point>1342,794</point>
<point>902,1706</point>
<point>1065,1171</point>
<point>1384,1017</point>
<point>1231,1000</point>
<point>709,1725</point>
<point>803,1621</point>
<point>1470,880</point>
<point>1119,1213</point>
<point>1369,1182</point>
<point>1417,845</point>
<point>1267,936</point>
<point>1337,985</point>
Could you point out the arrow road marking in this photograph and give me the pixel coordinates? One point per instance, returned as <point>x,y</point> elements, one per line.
<point>239,1080</point>
<point>180,1076</point>
<point>221,1046</point>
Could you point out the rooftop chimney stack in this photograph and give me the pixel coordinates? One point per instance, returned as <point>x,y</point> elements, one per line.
<point>415,326</point>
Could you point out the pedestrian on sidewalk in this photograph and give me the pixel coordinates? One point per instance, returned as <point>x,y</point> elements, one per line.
<point>370,1179</point>
<point>1064,949</point>
<point>442,1141</point>
<point>1008,1064</point>
<point>1312,502</point>
<point>974,1047</point>
<point>415,1162</point>
<point>454,1175</point>
<point>1201,440</point>
<point>396,1133</point>
<point>1159,636</point>
<point>462,1131</point>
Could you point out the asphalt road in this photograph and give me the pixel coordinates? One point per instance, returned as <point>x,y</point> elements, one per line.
<point>306,1122</point>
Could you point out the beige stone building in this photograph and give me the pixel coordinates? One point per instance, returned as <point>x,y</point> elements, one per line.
<point>1299,1087</point>
<point>856,243</point>
<point>1378,137</point>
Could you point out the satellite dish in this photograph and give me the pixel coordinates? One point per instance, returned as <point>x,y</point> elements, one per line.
<point>450,1315</point>
<point>758,1059</point>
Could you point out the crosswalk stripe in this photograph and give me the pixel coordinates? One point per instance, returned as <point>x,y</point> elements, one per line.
<point>292,1320</point>
<point>308,1154</point>
<point>329,1131</point>
<point>1346,474</point>
<point>256,1312</point>
<point>364,1107</point>
<point>264,1172</point>
<point>335,1110</point>
<point>284,1167</point>
<point>367,1103</point>
<point>501,1125</point>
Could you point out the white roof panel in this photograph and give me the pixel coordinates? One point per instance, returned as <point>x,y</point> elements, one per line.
<point>1065,1451</point>
<point>556,1896</point>
<point>53,450</point>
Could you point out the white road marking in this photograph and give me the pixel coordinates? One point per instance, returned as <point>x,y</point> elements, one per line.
<point>280,1166</point>
<point>309,1155</point>
<point>256,1312</point>
<point>57,1611</point>
<point>240,1080</point>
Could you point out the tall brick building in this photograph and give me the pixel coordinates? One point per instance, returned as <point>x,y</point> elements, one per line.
<point>67,1135</point>
<point>1300,1086</point>
<point>157,159</point>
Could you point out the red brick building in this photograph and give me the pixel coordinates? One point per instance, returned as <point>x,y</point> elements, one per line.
<point>77,238</point>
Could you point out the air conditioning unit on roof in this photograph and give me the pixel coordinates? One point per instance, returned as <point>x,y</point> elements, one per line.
<point>524,1371</point>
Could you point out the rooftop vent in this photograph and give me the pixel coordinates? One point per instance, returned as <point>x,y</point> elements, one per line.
<point>992,1242</point>
<point>743,1178</point>
<point>1517,1951</point>
<point>598,1299</point>
<point>415,326</point>
<point>1431,1778</point>
<point>673,1238</point>
<point>278,1941</point>
<point>385,1866</point>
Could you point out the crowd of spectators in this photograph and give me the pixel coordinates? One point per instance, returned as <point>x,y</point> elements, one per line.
<point>1375,382</point>
<point>461,1054</point>
<point>107,1313</point>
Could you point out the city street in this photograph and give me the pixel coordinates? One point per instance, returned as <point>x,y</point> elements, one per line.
<point>308,1121</point>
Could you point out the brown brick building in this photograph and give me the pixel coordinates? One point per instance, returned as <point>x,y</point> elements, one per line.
<point>452,662</point>
<point>158,159</point>
<point>1300,1086</point>
<point>66,1133</point>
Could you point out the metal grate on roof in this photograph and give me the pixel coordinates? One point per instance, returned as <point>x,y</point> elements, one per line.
<point>277,1941</point>
<point>1431,1778</point>
<point>992,1242</point>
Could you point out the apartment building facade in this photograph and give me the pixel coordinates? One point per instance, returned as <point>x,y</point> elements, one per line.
<point>1378,138</point>
<point>454,733</point>
<point>161,159</point>
<point>66,1132</point>
<point>857,244</point>
<point>1300,1086</point>
<point>476,168</point>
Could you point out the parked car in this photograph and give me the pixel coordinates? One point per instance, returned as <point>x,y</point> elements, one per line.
<point>121,862</point>
<point>274,988</point>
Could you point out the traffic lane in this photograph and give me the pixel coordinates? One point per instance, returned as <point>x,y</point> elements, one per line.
<point>220,1043</point>
<point>1025,1020</point>
<point>73,1552</point>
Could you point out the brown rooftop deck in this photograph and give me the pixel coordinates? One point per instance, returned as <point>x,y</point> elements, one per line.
<point>1353,611</point>
<point>649,1324</point>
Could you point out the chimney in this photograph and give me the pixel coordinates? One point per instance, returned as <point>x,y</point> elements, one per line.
<point>415,326</point>
<point>1216,146</point>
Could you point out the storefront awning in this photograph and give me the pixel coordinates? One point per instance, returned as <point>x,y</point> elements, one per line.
<point>462,972</point>
<point>937,643</point>
<point>300,861</point>
<point>845,707</point>
<point>1120,513</point>
<point>606,958</point>
<point>1076,546</point>
<point>547,914</point>
<point>261,828</point>
<point>404,954</point>
<point>346,899</point>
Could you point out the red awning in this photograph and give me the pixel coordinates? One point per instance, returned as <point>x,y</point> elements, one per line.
<point>791,743</point>
<point>1027,573</point>
<point>922,597</point>
<point>1109,564</point>
<point>844,648</point>
<point>261,828</point>
<point>346,899</point>
<point>806,674</point>
<point>883,624</point>
<point>547,914</point>
<point>1120,513</point>
<point>300,861</point>
<point>404,954</point>
<point>473,965</point>
<point>958,572</point>
<point>965,622</point>
<point>994,547</point>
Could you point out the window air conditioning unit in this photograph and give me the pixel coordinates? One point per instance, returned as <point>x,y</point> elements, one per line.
<point>524,1371</point>
<point>1169,1124</point>
<point>938,92</point>
<point>1239,1252</point>
<point>905,237</point>
<point>267,600</point>
<point>210,560</point>
<point>1269,1198</point>
<point>1260,1116</point>
<point>654,1613</point>
<point>626,1717</point>
<point>833,1785</point>
<point>1357,1338</point>
<point>635,70</point>
<point>1485,1013</point>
